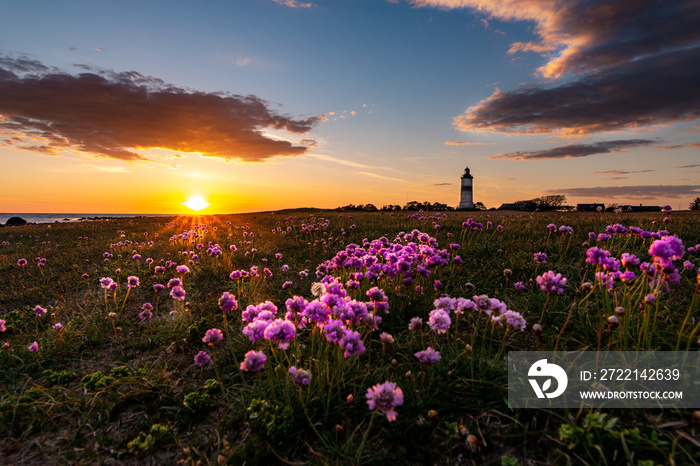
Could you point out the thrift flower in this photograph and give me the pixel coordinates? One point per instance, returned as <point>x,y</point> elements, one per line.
<point>174,282</point>
<point>549,281</point>
<point>300,376</point>
<point>416,324</point>
<point>227,302</point>
<point>353,344</point>
<point>33,347</point>
<point>178,293</point>
<point>280,331</point>
<point>106,282</point>
<point>385,397</point>
<point>628,277</point>
<point>213,336</point>
<point>2,325</point>
<point>202,359</point>
<point>132,282</point>
<point>254,361</point>
<point>515,320</point>
<point>256,329</point>
<point>439,320</point>
<point>540,257</point>
<point>666,250</point>
<point>629,260</point>
<point>39,311</point>
<point>428,356</point>
<point>334,331</point>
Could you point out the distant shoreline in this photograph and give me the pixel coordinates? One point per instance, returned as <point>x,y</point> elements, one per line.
<point>38,218</point>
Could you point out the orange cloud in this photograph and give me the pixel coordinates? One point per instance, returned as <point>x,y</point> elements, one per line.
<point>115,115</point>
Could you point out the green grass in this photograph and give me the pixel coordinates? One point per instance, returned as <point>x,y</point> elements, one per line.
<point>109,386</point>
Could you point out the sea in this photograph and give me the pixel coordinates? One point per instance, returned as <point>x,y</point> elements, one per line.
<point>53,218</point>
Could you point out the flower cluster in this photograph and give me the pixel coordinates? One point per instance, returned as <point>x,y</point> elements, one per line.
<point>549,281</point>
<point>410,255</point>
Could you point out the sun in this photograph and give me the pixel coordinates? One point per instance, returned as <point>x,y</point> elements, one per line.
<point>196,203</point>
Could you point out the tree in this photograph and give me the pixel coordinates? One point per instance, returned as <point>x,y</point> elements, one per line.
<point>695,205</point>
<point>479,206</point>
<point>551,202</point>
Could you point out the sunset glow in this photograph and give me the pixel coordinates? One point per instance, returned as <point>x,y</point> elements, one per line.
<point>196,203</point>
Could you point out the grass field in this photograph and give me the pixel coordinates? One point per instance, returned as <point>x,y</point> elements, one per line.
<point>97,366</point>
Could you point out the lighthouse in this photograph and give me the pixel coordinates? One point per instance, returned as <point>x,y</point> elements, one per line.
<point>466,198</point>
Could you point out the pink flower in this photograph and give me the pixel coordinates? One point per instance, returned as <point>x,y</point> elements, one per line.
<point>33,347</point>
<point>549,281</point>
<point>227,302</point>
<point>385,397</point>
<point>178,292</point>
<point>439,320</point>
<point>213,336</point>
<point>300,376</point>
<point>254,361</point>
<point>202,359</point>
<point>428,356</point>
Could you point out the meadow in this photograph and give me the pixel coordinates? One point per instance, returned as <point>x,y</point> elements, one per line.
<point>335,337</point>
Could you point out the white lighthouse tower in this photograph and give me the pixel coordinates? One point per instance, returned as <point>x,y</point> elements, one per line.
<point>466,198</point>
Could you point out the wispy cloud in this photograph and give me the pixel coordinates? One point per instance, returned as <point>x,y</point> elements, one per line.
<point>611,66</point>
<point>631,192</point>
<point>348,163</point>
<point>457,143</point>
<point>294,3</point>
<point>381,177</point>
<point>442,184</point>
<point>692,145</point>
<point>621,172</point>
<point>577,150</point>
<point>114,115</point>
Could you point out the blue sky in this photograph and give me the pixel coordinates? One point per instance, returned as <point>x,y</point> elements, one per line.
<point>352,102</point>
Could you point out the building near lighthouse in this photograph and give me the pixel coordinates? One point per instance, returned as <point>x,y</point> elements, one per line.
<point>466,198</point>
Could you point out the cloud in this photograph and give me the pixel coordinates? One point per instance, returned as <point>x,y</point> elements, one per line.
<point>621,172</point>
<point>516,47</point>
<point>689,166</point>
<point>441,184</point>
<point>294,3</point>
<point>612,66</point>
<point>632,192</point>
<point>693,145</point>
<point>577,150</point>
<point>381,177</point>
<point>115,115</point>
<point>455,143</point>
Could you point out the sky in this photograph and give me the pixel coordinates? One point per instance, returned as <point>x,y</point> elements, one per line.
<point>257,105</point>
